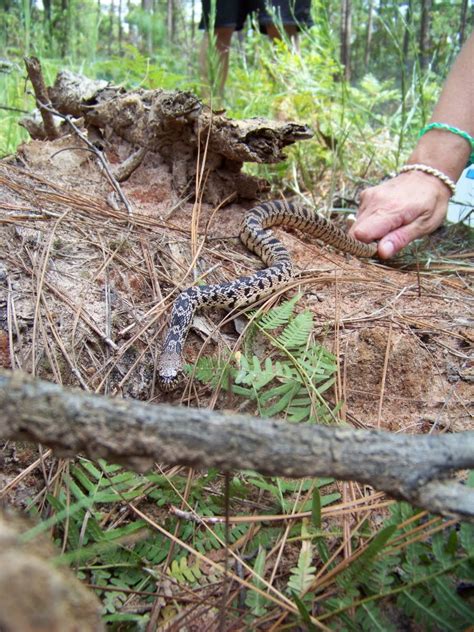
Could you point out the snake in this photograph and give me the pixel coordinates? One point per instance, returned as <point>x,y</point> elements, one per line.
<point>245,290</point>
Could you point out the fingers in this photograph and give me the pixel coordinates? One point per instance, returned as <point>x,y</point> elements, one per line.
<point>373,223</point>
<point>400,210</point>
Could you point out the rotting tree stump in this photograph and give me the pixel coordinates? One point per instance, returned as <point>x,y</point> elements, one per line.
<point>204,150</point>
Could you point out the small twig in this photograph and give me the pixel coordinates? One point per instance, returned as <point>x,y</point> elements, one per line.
<point>100,155</point>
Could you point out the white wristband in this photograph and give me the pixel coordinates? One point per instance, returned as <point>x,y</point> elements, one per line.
<point>433,172</point>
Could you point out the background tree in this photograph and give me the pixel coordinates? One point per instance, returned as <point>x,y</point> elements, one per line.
<point>346,33</point>
<point>426,6</point>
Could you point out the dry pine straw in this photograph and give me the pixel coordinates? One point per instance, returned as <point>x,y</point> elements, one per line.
<point>87,291</point>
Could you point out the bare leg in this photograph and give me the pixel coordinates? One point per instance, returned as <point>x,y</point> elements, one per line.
<point>215,64</point>
<point>290,29</point>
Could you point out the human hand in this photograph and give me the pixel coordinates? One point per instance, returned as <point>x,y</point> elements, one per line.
<point>400,210</point>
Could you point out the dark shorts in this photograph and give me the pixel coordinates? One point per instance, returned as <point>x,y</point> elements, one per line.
<point>233,14</point>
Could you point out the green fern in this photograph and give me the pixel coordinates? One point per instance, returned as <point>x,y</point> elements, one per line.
<point>207,540</point>
<point>419,604</point>
<point>296,334</point>
<point>183,573</point>
<point>364,564</point>
<point>370,617</point>
<point>292,378</point>
<point>278,316</point>
<point>302,575</point>
<point>421,577</point>
<point>256,602</point>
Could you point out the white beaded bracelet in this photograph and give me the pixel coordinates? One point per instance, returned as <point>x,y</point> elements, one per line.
<point>433,172</point>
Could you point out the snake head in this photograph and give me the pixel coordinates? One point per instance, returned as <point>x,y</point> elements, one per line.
<point>170,372</point>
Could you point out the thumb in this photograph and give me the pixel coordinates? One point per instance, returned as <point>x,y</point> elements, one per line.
<point>398,239</point>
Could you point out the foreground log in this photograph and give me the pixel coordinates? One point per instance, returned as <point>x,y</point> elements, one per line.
<point>196,143</point>
<point>413,468</point>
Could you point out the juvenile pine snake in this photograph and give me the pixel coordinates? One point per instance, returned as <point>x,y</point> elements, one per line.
<point>248,289</point>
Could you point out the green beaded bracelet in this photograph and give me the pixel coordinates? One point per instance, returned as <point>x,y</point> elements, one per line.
<point>454,130</point>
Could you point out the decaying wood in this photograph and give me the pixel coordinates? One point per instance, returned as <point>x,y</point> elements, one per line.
<point>35,75</point>
<point>182,130</point>
<point>36,595</point>
<point>414,468</point>
<point>128,166</point>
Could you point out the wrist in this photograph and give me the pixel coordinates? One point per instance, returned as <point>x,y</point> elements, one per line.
<point>418,180</point>
<point>431,171</point>
<point>446,152</point>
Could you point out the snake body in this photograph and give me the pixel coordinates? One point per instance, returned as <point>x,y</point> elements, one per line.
<point>246,290</point>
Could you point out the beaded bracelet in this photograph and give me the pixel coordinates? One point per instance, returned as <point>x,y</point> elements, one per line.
<point>454,130</point>
<point>433,172</point>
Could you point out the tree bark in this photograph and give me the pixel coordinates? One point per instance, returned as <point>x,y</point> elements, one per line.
<point>120,27</point>
<point>35,75</point>
<point>426,6</point>
<point>463,21</point>
<point>147,6</point>
<point>111,27</point>
<point>64,27</point>
<point>368,34</point>
<point>406,34</point>
<point>171,20</point>
<point>413,468</point>
<point>346,18</point>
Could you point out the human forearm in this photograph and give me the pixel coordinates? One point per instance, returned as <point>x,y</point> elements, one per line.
<point>442,149</point>
<point>456,102</point>
<point>414,203</point>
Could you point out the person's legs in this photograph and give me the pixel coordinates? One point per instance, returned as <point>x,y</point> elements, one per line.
<point>229,16</point>
<point>273,31</point>
<point>223,35</point>
<point>293,14</point>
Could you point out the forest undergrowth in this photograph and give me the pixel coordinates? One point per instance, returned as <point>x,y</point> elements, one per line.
<point>308,554</point>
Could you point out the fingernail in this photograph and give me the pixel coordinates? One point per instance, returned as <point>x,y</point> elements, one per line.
<point>387,249</point>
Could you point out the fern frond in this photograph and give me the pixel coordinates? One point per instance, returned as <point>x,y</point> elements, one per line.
<point>446,600</point>
<point>283,395</point>
<point>363,564</point>
<point>213,371</point>
<point>183,573</point>
<point>295,335</point>
<point>466,535</point>
<point>418,603</point>
<point>251,372</point>
<point>442,549</point>
<point>299,410</point>
<point>302,575</point>
<point>278,316</point>
<point>254,600</point>
<point>370,617</point>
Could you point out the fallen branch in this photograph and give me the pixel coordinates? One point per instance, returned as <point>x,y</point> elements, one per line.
<point>412,468</point>
<point>35,74</point>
